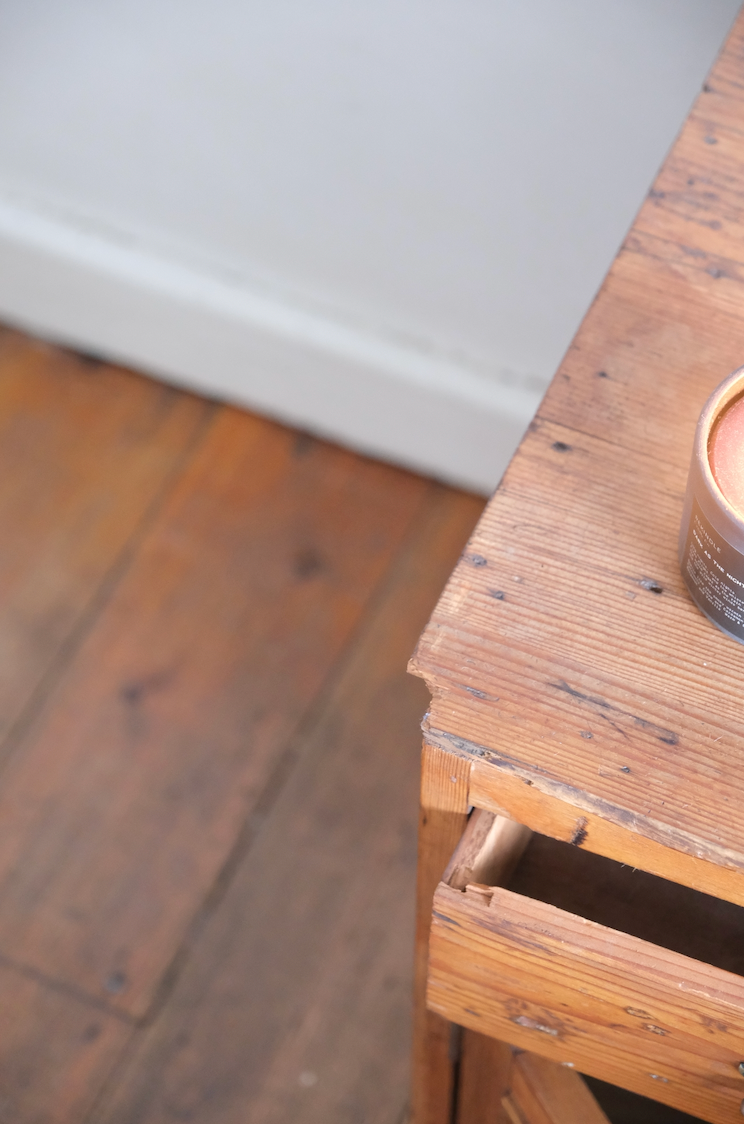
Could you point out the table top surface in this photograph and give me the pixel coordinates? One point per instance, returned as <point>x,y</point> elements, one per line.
<point>565,644</point>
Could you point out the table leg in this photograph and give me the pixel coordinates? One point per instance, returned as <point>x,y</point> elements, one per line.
<point>484,1079</point>
<point>443,814</point>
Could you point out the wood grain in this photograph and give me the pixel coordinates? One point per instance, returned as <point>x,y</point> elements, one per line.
<point>545,1093</point>
<point>443,813</point>
<point>488,852</point>
<point>295,1001</point>
<point>509,792</point>
<point>483,1079</point>
<point>614,1006</point>
<point>129,793</point>
<point>55,1051</point>
<point>85,454</point>
<point>616,702</point>
<point>624,1107</point>
<point>566,661</point>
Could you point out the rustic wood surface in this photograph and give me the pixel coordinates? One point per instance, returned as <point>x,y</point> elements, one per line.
<point>572,675</point>
<point>545,1093</point>
<point>458,1075</point>
<point>436,1044</point>
<point>624,1107</point>
<point>483,1079</point>
<point>612,1005</point>
<point>522,1088</point>
<point>488,852</point>
<point>210,754</point>
<point>567,663</point>
<point>615,896</point>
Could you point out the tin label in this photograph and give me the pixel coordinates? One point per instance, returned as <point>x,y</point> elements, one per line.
<point>714,572</point>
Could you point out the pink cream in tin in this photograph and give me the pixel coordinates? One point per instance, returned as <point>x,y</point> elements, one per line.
<point>711,543</point>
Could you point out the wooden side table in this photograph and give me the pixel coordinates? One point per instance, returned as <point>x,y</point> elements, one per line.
<point>577,692</point>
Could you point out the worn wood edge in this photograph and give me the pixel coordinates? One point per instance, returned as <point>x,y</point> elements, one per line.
<point>464,857</point>
<point>490,848</point>
<point>444,803</point>
<point>642,230</point>
<point>718,82</point>
<point>650,244</point>
<point>488,852</point>
<point>624,962</point>
<point>695,1069</point>
<point>437,770</point>
<point>509,788</point>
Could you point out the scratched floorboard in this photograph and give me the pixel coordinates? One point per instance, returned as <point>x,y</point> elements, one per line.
<point>210,755</point>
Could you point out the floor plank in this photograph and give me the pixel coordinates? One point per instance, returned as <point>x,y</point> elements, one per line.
<point>85,453</point>
<point>55,1051</point>
<point>128,794</point>
<point>295,1002</point>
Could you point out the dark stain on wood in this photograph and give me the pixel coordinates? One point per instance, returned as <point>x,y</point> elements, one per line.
<point>474,691</point>
<point>307,564</point>
<point>668,737</point>
<point>580,832</point>
<point>137,690</point>
<point>443,917</point>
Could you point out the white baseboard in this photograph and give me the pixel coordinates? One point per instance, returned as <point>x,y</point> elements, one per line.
<point>86,288</point>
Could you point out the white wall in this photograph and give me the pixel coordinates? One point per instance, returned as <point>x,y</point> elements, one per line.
<point>382,221</point>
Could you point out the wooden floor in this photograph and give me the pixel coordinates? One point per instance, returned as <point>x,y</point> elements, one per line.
<point>209,754</point>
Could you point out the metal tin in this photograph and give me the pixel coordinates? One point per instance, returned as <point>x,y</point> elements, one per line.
<point>711,540</point>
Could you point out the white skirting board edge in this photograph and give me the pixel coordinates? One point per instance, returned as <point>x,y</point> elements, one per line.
<point>88,289</point>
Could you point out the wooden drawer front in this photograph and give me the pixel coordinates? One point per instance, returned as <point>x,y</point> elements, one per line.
<point>609,1004</point>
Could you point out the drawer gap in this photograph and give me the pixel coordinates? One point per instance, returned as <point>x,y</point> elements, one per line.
<point>643,905</point>
<point>496,851</point>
